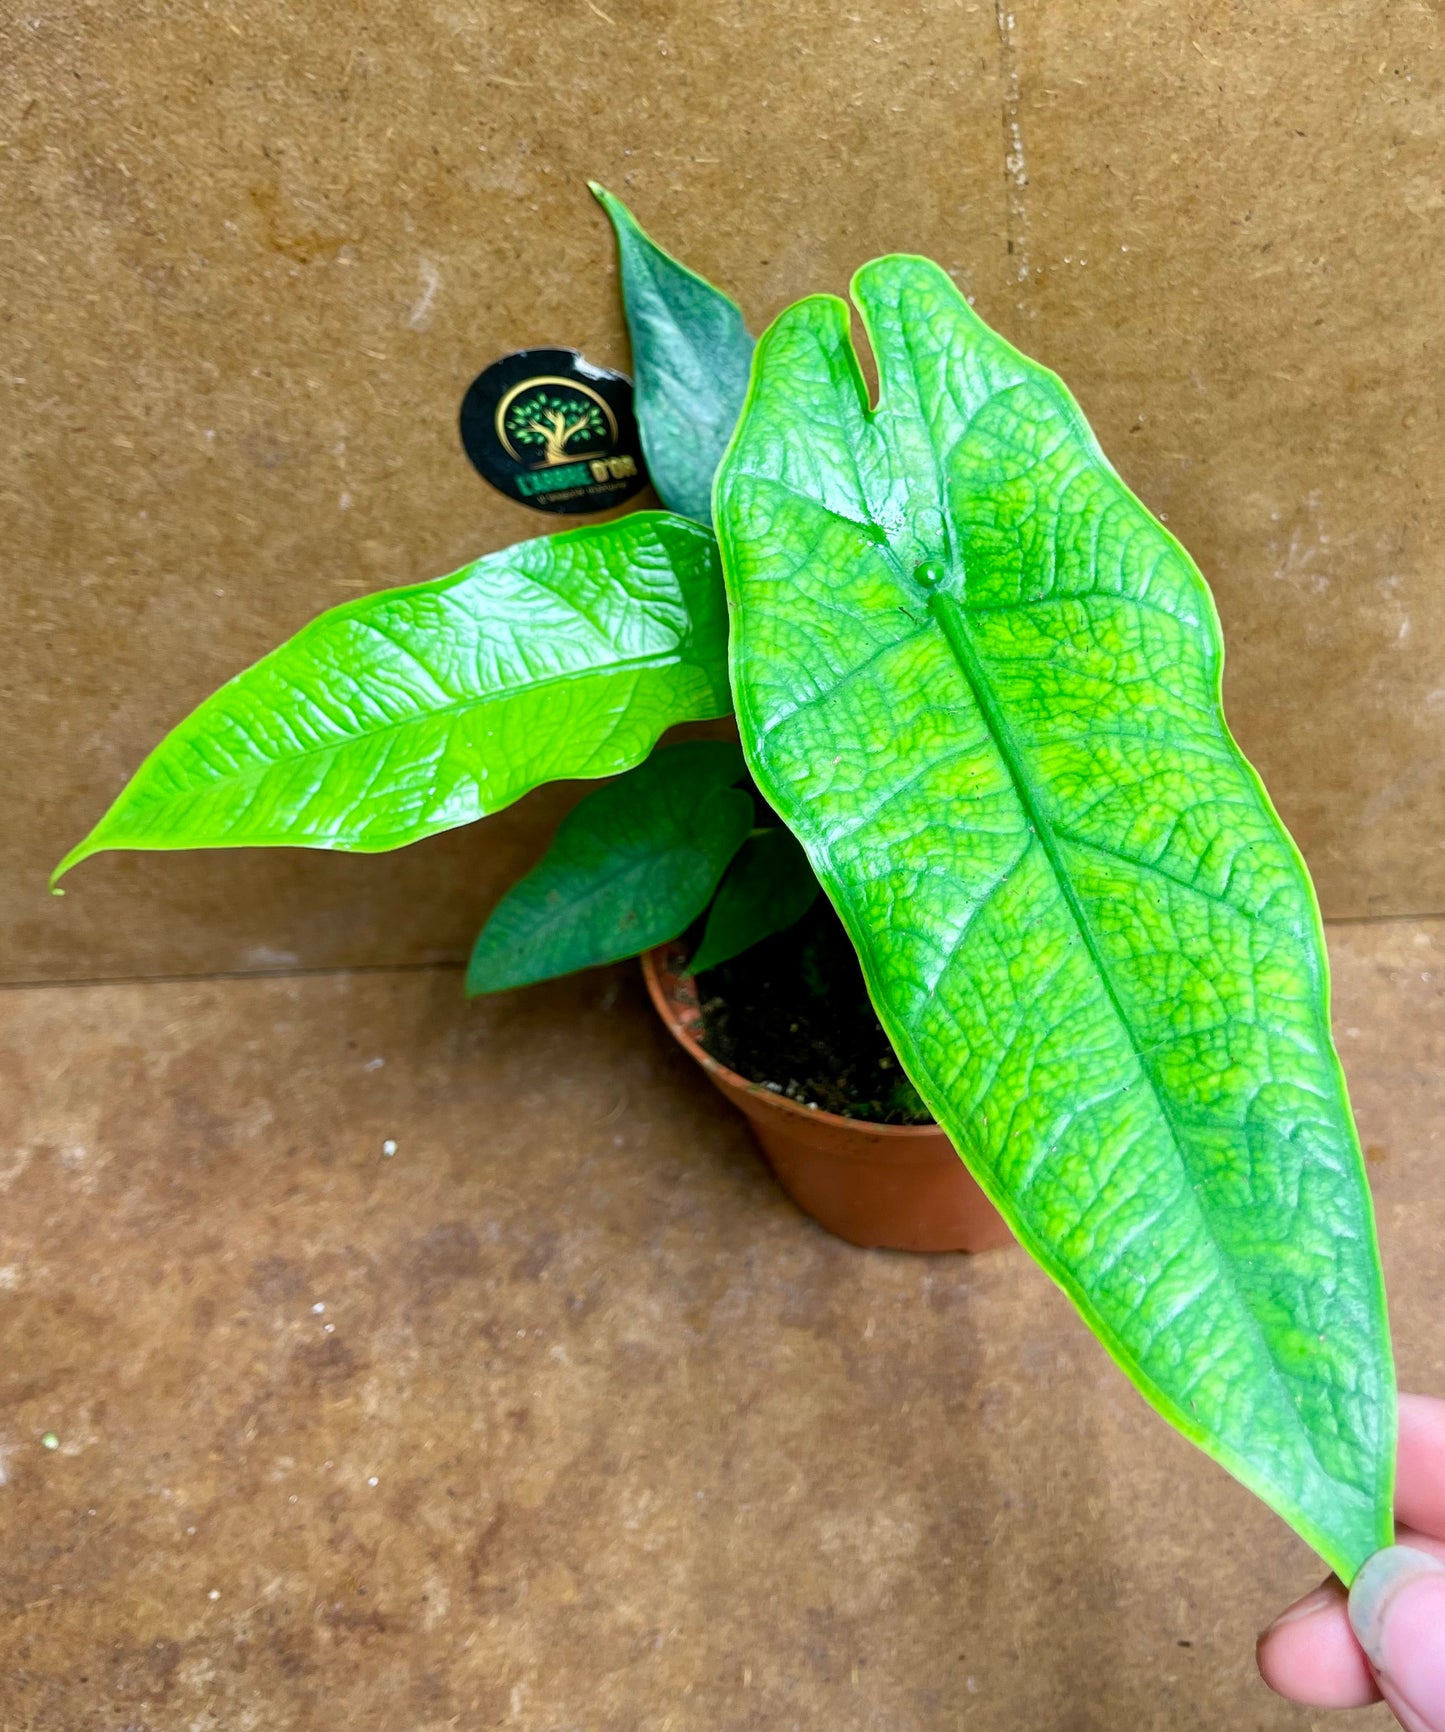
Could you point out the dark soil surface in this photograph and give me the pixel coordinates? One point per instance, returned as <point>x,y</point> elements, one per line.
<point>793,1014</point>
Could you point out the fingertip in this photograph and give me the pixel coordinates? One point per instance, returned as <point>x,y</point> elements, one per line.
<point>1309,1653</point>
<point>1420,1472</point>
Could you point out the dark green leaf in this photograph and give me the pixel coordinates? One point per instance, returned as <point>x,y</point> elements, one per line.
<point>419,709</point>
<point>768,886</point>
<point>981,684</point>
<point>690,358</point>
<point>631,866</point>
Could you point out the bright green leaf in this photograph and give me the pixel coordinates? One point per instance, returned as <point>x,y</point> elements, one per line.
<point>631,866</point>
<point>768,886</point>
<point>981,683</point>
<point>690,358</point>
<point>418,709</point>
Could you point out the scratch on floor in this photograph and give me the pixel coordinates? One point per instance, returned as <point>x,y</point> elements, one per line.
<point>1015,166</point>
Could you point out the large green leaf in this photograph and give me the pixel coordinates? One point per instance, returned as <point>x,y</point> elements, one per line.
<point>418,709</point>
<point>981,684</point>
<point>631,866</point>
<point>768,887</point>
<point>690,358</point>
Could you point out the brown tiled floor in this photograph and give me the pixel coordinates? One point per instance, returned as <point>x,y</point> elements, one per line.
<point>559,1417</point>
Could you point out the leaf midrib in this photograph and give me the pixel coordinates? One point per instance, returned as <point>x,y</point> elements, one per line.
<point>953,622</point>
<point>459,707</point>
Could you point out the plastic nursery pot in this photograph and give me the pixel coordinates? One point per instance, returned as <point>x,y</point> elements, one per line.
<point>899,1186</point>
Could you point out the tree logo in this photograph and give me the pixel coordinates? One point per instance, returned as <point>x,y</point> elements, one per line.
<point>554,421</point>
<point>548,428</point>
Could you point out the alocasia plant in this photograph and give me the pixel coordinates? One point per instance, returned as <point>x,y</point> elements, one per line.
<point>980,685</point>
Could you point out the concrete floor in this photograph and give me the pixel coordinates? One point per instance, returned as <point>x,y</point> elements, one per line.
<point>559,1417</point>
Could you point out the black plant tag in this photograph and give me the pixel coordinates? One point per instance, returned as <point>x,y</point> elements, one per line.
<point>548,428</point>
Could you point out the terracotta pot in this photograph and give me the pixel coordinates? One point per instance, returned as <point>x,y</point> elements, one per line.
<point>896,1185</point>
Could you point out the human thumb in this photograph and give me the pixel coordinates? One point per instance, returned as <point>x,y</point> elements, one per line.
<point>1397,1609</point>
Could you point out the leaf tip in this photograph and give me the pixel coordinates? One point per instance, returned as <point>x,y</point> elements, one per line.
<point>472,979</point>
<point>486,972</point>
<point>81,851</point>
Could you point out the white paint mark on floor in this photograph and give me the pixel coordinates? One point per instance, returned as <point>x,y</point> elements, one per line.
<point>431,281</point>
<point>263,956</point>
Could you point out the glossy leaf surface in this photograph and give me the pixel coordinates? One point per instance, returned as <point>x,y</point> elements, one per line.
<point>768,886</point>
<point>981,684</point>
<point>631,866</point>
<point>418,709</point>
<point>690,358</point>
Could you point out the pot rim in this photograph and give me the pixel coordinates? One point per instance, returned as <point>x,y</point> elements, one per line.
<point>658,969</point>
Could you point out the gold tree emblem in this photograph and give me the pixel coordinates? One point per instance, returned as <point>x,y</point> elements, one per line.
<point>552,420</point>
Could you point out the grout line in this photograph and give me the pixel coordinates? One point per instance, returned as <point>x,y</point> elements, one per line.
<point>232,974</point>
<point>1015,167</point>
<point>459,963</point>
<point>1379,919</point>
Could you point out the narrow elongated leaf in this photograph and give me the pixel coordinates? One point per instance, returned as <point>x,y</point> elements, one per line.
<point>690,358</point>
<point>419,709</point>
<point>631,866</point>
<point>982,685</point>
<point>768,886</point>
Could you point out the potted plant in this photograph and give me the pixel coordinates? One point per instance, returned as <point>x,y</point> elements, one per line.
<point>977,689</point>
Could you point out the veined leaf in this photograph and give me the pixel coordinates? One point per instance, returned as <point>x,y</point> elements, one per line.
<point>419,709</point>
<point>768,886</point>
<point>631,866</point>
<point>690,358</point>
<point>982,685</point>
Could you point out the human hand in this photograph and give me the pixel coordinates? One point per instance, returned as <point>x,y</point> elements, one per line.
<point>1386,1637</point>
